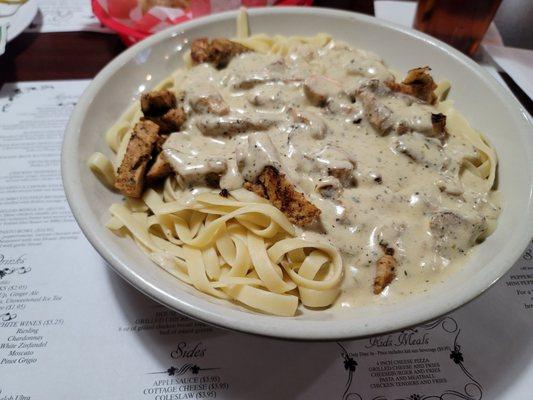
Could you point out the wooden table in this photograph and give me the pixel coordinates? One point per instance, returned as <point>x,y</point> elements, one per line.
<point>80,55</point>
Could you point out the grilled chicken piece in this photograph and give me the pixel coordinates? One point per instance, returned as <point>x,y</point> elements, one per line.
<point>275,72</point>
<point>378,114</point>
<point>160,142</point>
<point>157,102</point>
<point>311,121</point>
<point>329,188</point>
<point>171,121</point>
<point>378,100</point>
<point>191,167</point>
<point>160,169</point>
<point>451,185</point>
<point>438,121</point>
<point>336,168</point>
<point>418,83</point>
<point>275,187</point>
<point>259,152</point>
<point>130,174</point>
<point>318,89</point>
<point>160,107</point>
<point>337,163</point>
<point>218,52</point>
<point>233,123</point>
<point>454,233</point>
<point>207,99</point>
<point>385,273</point>
<point>422,149</point>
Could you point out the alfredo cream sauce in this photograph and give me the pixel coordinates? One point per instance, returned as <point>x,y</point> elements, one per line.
<point>307,114</point>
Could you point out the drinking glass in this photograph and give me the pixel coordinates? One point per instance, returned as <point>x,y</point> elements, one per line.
<point>460,23</point>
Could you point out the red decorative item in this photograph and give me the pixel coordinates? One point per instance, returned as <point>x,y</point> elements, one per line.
<point>126,18</point>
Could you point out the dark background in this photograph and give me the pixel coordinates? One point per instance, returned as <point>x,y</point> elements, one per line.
<point>80,55</point>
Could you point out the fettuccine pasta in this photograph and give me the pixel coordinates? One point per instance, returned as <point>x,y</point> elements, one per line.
<point>298,170</point>
<point>231,249</point>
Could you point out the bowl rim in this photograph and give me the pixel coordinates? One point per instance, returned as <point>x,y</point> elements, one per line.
<point>225,317</point>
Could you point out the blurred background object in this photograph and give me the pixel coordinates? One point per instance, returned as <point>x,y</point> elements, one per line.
<point>133,20</point>
<point>15,16</point>
<point>460,23</point>
<point>510,65</point>
<point>79,54</point>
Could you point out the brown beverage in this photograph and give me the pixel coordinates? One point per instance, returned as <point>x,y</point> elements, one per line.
<point>460,23</point>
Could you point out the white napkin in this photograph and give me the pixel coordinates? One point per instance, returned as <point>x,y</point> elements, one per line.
<point>518,63</point>
<point>399,12</point>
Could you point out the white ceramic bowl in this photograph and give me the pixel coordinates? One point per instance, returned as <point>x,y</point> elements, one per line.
<point>487,105</point>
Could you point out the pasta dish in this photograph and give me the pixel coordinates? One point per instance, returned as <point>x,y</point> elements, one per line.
<point>276,171</point>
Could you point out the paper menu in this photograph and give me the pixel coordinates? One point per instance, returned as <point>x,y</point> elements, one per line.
<point>70,328</point>
<point>66,16</point>
<point>518,63</point>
